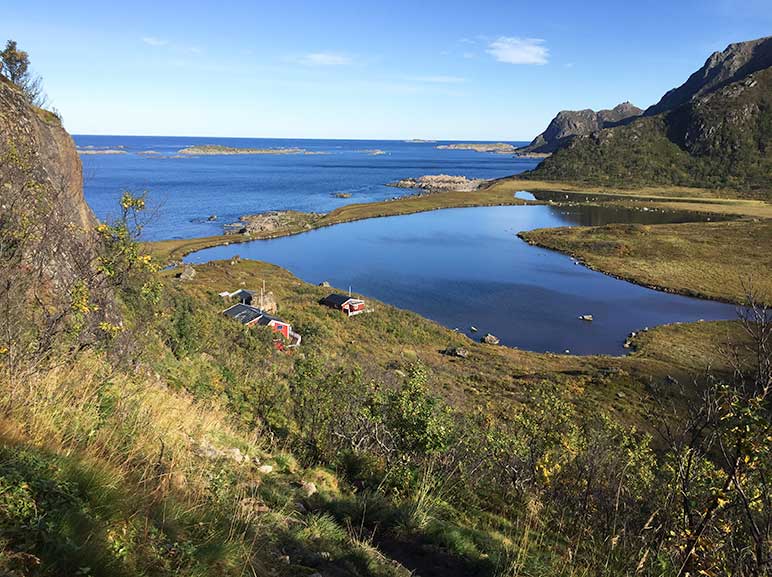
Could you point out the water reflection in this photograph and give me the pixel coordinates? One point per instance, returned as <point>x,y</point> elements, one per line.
<point>466,267</point>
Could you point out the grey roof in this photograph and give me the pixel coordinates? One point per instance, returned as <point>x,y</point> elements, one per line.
<point>266,319</point>
<point>243,313</point>
<point>246,314</point>
<point>336,300</point>
<point>244,291</point>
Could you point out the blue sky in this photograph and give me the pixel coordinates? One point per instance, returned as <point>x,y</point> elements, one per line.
<point>450,69</point>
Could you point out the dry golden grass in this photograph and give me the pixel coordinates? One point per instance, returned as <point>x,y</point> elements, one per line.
<point>124,420</point>
<point>712,259</point>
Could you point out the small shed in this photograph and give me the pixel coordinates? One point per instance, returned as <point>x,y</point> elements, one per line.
<point>243,296</point>
<point>345,303</point>
<point>251,316</point>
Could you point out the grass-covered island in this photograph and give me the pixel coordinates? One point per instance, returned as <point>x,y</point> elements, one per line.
<point>218,149</point>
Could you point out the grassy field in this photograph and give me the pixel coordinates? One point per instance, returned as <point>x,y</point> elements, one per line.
<point>712,259</point>
<point>720,201</point>
<point>388,340</point>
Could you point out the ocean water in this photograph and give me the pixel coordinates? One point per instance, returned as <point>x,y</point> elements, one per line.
<point>184,192</point>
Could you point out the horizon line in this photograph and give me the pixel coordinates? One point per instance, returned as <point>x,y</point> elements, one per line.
<point>304,137</point>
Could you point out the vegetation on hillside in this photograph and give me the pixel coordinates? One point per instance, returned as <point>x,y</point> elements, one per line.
<point>15,66</point>
<point>722,140</point>
<point>180,443</point>
<point>144,433</point>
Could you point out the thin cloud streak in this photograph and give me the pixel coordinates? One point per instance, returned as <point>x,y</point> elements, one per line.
<point>325,59</point>
<point>153,41</point>
<point>513,50</point>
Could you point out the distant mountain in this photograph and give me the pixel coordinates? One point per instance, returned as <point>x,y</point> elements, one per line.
<point>715,130</point>
<point>570,123</point>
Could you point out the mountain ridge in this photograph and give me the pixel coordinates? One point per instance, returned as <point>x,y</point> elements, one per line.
<point>570,123</point>
<point>715,130</point>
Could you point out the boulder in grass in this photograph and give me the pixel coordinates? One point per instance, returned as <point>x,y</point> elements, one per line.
<point>490,339</point>
<point>188,273</point>
<point>459,352</point>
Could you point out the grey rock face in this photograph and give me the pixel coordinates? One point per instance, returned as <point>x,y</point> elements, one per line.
<point>721,68</point>
<point>570,123</point>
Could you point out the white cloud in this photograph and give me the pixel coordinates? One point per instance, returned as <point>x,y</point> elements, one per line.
<point>441,79</point>
<point>325,59</point>
<point>519,50</point>
<point>153,41</point>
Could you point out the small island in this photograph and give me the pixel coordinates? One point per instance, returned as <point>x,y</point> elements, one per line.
<point>100,151</point>
<point>218,149</point>
<point>440,182</point>
<point>373,151</point>
<point>497,147</point>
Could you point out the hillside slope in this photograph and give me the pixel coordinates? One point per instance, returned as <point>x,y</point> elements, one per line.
<point>717,133</point>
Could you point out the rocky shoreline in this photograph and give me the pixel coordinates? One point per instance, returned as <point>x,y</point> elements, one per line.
<point>440,183</point>
<point>266,223</point>
<point>497,148</point>
<point>534,155</point>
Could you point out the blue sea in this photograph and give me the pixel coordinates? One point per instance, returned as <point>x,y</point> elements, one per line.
<point>185,192</point>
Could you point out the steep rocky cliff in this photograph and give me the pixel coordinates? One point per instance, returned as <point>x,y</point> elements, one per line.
<point>714,131</point>
<point>570,123</point>
<point>41,188</point>
<point>53,295</point>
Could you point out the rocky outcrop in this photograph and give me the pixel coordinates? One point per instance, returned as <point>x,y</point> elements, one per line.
<point>41,188</point>
<point>440,182</point>
<point>570,123</point>
<point>722,68</point>
<point>490,339</point>
<point>264,224</point>
<point>53,291</point>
